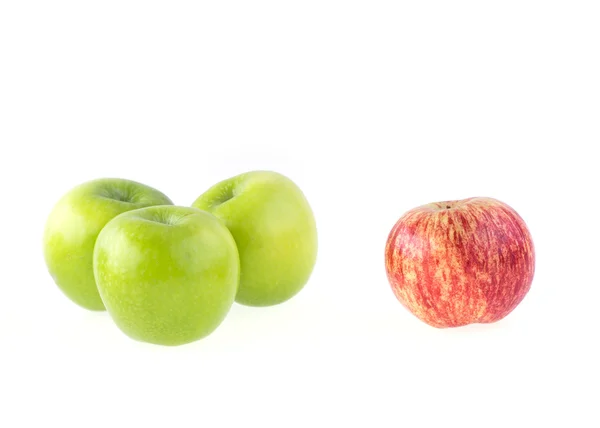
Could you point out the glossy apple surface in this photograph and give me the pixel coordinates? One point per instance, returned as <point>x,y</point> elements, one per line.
<point>275,231</point>
<point>168,275</point>
<point>460,262</point>
<point>74,224</point>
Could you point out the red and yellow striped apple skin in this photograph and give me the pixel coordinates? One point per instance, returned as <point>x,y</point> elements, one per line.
<point>460,262</point>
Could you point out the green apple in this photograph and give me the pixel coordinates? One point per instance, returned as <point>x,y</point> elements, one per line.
<point>74,224</point>
<point>168,275</point>
<point>275,231</point>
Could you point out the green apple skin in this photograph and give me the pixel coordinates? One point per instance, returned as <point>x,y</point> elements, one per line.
<point>74,224</point>
<point>275,231</point>
<point>168,275</point>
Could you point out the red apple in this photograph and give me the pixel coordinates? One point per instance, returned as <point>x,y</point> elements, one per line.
<point>460,262</point>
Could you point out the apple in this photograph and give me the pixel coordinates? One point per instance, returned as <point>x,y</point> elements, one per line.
<point>74,224</point>
<point>275,231</point>
<point>168,275</point>
<point>460,262</point>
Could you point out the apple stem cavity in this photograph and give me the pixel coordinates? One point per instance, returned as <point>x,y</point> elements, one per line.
<point>116,194</point>
<point>227,194</point>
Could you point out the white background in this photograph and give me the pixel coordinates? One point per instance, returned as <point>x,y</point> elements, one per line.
<point>373,108</point>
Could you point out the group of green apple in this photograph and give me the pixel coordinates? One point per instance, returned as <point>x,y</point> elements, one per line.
<point>169,274</point>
